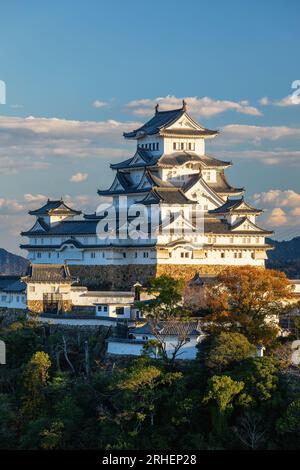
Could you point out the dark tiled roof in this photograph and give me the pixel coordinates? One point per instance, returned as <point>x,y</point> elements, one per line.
<point>169,160</point>
<point>49,273</point>
<point>93,216</point>
<point>145,155</point>
<point>190,183</point>
<point>157,181</point>
<point>222,186</point>
<point>166,195</point>
<point>12,284</point>
<point>69,227</point>
<point>54,205</point>
<point>233,205</point>
<point>210,161</point>
<point>244,219</point>
<point>162,119</point>
<point>172,328</point>
<point>159,120</point>
<point>187,132</point>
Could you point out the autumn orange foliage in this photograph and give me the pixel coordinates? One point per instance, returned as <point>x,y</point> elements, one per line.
<point>248,300</point>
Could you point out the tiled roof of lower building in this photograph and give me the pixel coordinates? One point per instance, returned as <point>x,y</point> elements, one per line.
<point>49,273</point>
<point>169,328</point>
<point>12,284</point>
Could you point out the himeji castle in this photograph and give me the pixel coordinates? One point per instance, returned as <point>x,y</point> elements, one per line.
<point>201,222</point>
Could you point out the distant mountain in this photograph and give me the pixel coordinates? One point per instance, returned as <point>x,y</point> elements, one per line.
<point>285,257</point>
<point>12,264</point>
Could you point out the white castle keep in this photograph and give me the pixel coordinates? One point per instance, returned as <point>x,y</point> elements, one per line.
<point>200,219</point>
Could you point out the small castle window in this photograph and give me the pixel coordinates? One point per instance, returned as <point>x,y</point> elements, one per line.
<point>93,254</point>
<point>222,255</point>
<point>124,255</point>
<point>174,145</point>
<point>146,254</point>
<point>39,255</point>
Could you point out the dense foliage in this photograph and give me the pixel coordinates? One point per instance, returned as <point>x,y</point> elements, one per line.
<point>59,391</point>
<point>142,403</point>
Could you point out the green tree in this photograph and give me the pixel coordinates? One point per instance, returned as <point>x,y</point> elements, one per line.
<point>222,390</point>
<point>52,438</point>
<point>166,294</point>
<point>9,423</point>
<point>260,376</point>
<point>35,378</point>
<point>228,349</point>
<point>290,422</point>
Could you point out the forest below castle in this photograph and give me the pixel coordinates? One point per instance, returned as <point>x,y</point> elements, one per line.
<point>59,390</point>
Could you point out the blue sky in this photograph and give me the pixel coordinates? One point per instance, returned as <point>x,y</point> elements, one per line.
<point>58,58</point>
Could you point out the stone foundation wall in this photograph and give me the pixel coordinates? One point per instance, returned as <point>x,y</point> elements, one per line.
<point>123,277</point>
<point>35,306</point>
<point>186,271</point>
<point>113,277</point>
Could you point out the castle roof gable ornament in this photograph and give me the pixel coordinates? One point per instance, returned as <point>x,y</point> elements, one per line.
<point>184,105</point>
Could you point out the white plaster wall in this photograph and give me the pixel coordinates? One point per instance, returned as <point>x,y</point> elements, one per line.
<point>188,351</point>
<point>111,309</point>
<point>12,300</point>
<point>168,145</point>
<point>126,349</point>
<point>35,291</point>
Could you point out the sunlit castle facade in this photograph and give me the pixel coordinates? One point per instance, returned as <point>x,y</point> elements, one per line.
<point>200,219</point>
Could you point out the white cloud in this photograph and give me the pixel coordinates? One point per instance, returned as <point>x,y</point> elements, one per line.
<point>78,177</point>
<point>35,198</point>
<point>290,100</point>
<point>277,218</point>
<point>283,198</point>
<point>264,101</point>
<point>32,143</point>
<point>267,157</point>
<point>99,104</point>
<point>203,107</point>
<point>241,132</point>
<point>10,206</point>
<point>282,211</point>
